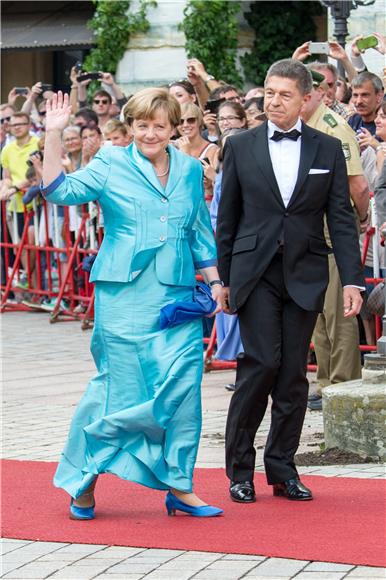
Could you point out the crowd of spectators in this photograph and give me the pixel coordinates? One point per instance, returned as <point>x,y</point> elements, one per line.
<point>351,108</point>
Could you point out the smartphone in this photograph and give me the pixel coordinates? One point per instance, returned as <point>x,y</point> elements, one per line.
<point>319,48</point>
<point>93,76</point>
<point>46,87</point>
<point>212,106</point>
<point>367,42</point>
<point>205,159</point>
<point>21,90</point>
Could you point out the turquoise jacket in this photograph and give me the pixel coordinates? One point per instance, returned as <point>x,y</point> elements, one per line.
<point>142,220</point>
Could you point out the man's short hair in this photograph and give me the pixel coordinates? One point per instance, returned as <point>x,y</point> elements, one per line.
<point>87,114</point>
<point>4,106</point>
<point>290,68</point>
<point>102,93</point>
<point>319,66</point>
<point>21,115</point>
<point>365,76</point>
<point>220,91</point>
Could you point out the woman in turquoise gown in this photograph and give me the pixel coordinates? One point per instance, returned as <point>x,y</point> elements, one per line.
<point>140,417</point>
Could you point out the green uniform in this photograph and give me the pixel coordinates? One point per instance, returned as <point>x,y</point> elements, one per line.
<point>336,338</point>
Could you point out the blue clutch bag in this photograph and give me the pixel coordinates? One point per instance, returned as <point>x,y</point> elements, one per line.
<point>180,312</point>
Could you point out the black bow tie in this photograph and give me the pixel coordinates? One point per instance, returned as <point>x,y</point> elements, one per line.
<point>279,135</point>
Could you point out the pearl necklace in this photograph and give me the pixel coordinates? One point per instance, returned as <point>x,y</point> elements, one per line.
<point>167,168</point>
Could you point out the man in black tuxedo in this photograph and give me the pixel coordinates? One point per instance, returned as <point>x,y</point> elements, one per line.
<point>279,181</point>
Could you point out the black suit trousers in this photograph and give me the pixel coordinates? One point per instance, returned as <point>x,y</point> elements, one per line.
<point>276,334</point>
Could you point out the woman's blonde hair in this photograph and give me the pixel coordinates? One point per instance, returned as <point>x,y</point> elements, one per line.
<point>146,103</point>
<point>190,109</point>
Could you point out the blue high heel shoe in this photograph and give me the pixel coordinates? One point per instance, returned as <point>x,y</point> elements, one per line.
<point>81,513</point>
<point>203,511</point>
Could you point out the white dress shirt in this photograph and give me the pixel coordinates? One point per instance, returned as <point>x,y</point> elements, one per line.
<point>285,157</point>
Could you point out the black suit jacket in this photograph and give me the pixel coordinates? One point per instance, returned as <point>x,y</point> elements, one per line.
<point>252,218</point>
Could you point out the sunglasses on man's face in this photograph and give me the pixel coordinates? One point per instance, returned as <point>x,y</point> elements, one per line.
<point>16,125</point>
<point>42,113</point>
<point>101,101</point>
<point>188,120</point>
<point>5,120</point>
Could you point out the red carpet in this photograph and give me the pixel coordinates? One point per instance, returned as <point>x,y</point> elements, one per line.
<point>345,523</point>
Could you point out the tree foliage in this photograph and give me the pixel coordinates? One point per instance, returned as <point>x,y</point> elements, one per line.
<point>279,28</point>
<point>113,25</point>
<point>211,31</point>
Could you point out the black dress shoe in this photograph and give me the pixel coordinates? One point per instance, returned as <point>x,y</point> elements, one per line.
<point>292,489</point>
<point>230,387</point>
<point>242,491</point>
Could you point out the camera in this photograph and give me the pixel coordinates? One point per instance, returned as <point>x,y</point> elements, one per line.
<point>93,76</point>
<point>367,42</point>
<point>46,87</point>
<point>78,67</point>
<point>21,91</point>
<point>319,48</point>
<point>37,152</point>
<point>213,105</point>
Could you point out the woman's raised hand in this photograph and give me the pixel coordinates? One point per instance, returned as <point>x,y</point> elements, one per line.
<point>58,112</point>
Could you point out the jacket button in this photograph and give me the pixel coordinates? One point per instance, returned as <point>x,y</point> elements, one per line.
<point>162,218</point>
<point>286,214</point>
<point>164,200</point>
<point>162,238</point>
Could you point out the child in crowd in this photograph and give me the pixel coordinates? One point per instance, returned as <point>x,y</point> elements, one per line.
<point>117,133</point>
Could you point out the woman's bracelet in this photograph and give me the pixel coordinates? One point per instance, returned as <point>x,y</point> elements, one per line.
<point>74,87</point>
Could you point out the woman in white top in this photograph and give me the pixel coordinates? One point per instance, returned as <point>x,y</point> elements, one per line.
<point>192,143</point>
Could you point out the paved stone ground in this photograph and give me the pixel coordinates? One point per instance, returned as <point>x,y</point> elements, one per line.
<point>45,369</point>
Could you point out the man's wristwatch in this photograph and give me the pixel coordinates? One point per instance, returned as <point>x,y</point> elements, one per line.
<point>214,282</point>
<point>209,78</point>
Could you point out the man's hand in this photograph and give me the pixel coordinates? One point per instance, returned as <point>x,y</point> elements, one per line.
<point>195,71</point>
<point>107,78</point>
<point>354,49</point>
<point>352,301</point>
<point>210,120</point>
<point>336,50</point>
<point>381,46</point>
<point>302,51</point>
<point>12,96</point>
<point>35,91</point>
<point>366,139</point>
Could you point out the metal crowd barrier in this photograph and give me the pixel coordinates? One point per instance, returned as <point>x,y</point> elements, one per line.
<point>44,263</point>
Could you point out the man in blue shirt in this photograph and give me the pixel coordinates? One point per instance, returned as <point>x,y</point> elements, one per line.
<point>367,95</point>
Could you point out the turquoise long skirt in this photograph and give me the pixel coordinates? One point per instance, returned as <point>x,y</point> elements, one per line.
<point>140,417</point>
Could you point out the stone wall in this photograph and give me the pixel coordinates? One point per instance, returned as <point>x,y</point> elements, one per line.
<point>354,415</point>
